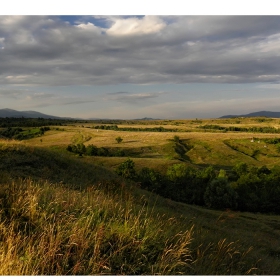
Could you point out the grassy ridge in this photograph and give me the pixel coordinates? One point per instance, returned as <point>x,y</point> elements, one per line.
<point>68,232</point>
<point>19,160</point>
<point>65,219</point>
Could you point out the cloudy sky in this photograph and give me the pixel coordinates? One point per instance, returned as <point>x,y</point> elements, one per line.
<point>169,67</point>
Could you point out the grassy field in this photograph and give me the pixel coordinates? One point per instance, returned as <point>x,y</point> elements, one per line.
<point>156,149</point>
<point>65,214</point>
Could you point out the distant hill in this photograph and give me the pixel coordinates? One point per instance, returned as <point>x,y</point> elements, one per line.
<point>9,113</point>
<point>256,114</point>
<point>145,119</point>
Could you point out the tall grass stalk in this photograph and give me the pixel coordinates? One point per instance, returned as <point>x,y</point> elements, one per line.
<point>51,229</point>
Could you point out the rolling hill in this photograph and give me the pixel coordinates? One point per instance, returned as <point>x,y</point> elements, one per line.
<point>9,113</point>
<point>255,114</point>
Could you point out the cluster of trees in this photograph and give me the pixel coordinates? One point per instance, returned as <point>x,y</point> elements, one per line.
<point>116,128</point>
<point>92,150</point>
<point>30,122</point>
<point>18,133</point>
<point>243,188</point>
<point>266,129</point>
<point>10,132</point>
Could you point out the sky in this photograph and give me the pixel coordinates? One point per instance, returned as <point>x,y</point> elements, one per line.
<point>135,64</point>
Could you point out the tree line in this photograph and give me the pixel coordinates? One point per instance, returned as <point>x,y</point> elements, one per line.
<point>151,129</point>
<point>18,133</point>
<point>266,129</point>
<point>244,188</point>
<point>30,122</point>
<point>92,150</point>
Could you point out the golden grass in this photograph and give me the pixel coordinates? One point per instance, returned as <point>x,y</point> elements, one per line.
<point>47,229</point>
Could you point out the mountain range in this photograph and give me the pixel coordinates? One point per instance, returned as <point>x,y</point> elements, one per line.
<point>256,114</point>
<point>9,113</point>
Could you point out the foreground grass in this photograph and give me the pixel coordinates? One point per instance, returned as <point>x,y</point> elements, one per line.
<point>47,229</point>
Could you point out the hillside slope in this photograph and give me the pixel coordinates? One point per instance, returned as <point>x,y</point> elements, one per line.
<point>63,216</point>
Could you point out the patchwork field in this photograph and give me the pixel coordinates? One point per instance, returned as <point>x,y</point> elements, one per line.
<point>67,213</point>
<point>156,149</point>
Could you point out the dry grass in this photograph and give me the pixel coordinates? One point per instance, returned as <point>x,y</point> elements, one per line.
<point>47,229</point>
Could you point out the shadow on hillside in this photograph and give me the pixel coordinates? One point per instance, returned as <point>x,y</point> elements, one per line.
<point>39,163</point>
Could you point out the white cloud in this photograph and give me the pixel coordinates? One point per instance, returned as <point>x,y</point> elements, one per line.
<point>89,27</point>
<point>136,26</point>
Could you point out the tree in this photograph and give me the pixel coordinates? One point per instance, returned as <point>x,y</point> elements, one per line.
<point>119,139</point>
<point>127,169</point>
<point>150,179</point>
<point>176,139</point>
<point>182,179</point>
<point>222,174</point>
<point>240,168</point>
<point>220,195</point>
<point>248,187</point>
<point>81,148</point>
<point>91,150</point>
<point>179,172</point>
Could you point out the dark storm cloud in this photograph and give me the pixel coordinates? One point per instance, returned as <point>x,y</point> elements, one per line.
<point>139,50</point>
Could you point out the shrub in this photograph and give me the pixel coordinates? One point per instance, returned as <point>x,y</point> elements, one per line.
<point>119,139</point>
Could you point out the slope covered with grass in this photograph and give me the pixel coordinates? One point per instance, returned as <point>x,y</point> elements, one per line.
<point>60,215</point>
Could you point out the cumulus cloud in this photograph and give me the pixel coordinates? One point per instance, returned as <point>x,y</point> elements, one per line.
<point>136,26</point>
<point>50,51</point>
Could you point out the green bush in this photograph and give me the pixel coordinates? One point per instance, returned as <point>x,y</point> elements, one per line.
<point>119,139</point>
